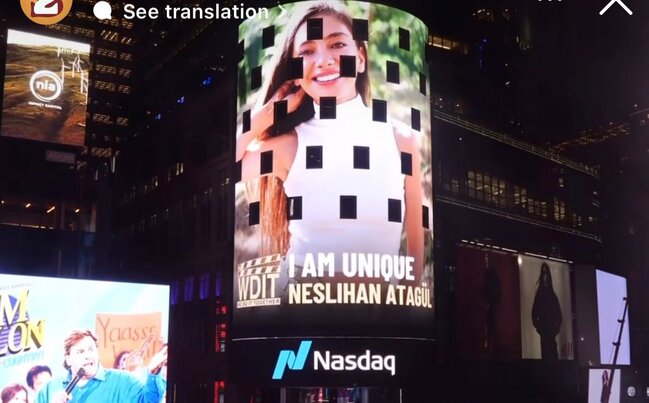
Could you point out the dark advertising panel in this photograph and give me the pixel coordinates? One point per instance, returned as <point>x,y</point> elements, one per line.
<point>546,309</point>
<point>333,215</point>
<point>45,89</point>
<point>487,305</point>
<point>43,319</point>
<point>512,306</point>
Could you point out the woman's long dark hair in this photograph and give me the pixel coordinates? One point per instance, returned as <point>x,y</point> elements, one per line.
<point>545,277</point>
<point>273,220</point>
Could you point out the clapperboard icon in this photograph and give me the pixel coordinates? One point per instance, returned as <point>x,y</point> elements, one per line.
<point>257,280</point>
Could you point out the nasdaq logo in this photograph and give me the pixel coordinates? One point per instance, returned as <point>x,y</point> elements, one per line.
<point>291,360</point>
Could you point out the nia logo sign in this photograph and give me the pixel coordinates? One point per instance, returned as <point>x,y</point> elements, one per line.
<point>45,85</point>
<point>328,361</point>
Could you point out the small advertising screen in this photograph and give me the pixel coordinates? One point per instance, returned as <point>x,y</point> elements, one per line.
<point>511,306</point>
<point>487,305</point>
<point>613,318</point>
<point>546,309</point>
<point>45,89</point>
<point>333,214</point>
<point>604,385</point>
<point>45,321</point>
<point>602,317</point>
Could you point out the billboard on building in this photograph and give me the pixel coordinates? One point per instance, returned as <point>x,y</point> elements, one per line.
<point>613,319</point>
<point>604,385</point>
<point>45,89</point>
<point>487,305</point>
<point>546,309</point>
<point>512,306</point>
<point>333,207</point>
<point>130,321</point>
<point>602,317</point>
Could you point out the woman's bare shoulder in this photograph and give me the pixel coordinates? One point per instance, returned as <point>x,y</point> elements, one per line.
<point>405,137</point>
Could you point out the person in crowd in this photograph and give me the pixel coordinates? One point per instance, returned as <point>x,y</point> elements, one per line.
<point>15,393</point>
<point>37,377</point>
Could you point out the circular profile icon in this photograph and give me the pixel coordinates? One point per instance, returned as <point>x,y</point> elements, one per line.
<point>45,85</point>
<point>46,12</point>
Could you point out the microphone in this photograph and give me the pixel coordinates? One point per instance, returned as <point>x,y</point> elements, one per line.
<point>80,373</point>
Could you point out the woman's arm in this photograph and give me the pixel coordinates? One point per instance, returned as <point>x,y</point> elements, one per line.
<point>407,143</point>
<point>283,148</point>
<point>262,118</point>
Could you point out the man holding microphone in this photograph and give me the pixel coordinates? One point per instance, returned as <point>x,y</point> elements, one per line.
<point>88,381</point>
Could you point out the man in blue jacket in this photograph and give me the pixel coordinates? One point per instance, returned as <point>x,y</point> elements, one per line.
<point>97,384</point>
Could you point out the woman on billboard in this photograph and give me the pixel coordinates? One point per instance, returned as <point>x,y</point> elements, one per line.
<point>341,180</point>
<point>546,314</point>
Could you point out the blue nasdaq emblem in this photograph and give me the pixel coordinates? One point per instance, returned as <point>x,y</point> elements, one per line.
<point>288,358</point>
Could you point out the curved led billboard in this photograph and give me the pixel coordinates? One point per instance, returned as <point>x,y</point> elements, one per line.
<point>45,89</point>
<point>333,205</point>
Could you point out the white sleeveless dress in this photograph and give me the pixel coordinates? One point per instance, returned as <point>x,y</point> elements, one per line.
<point>320,229</point>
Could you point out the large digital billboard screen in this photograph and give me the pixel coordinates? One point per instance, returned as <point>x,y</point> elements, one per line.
<point>333,214</point>
<point>45,89</point>
<point>39,317</point>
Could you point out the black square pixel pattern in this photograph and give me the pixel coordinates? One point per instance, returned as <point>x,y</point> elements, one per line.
<point>360,30</point>
<point>313,157</point>
<point>404,39</point>
<point>255,78</point>
<point>347,66</point>
<point>314,29</point>
<point>294,208</point>
<point>406,164</point>
<point>392,72</point>
<point>266,163</point>
<point>422,83</point>
<point>379,110</point>
<point>237,172</point>
<point>241,48</point>
<point>394,210</point>
<point>245,125</point>
<point>280,111</point>
<point>361,157</point>
<point>426,216</point>
<point>268,37</point>
<point>295,68</point>
<point>348,207</point>
<point>328,108</point>
<point>253,213</point>
<point>415,119</point>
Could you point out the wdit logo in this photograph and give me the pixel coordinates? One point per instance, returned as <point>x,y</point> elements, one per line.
<point>288,358</point>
